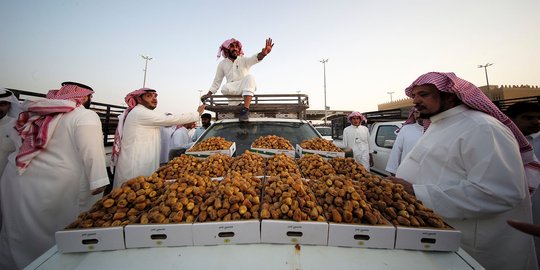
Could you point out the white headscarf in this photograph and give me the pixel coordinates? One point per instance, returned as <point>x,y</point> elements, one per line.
<point>8,96</point>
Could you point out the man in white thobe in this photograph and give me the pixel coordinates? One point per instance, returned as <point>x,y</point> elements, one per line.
<point>235,68</point>
<point>206,121</point>
<point>406,138</point>
<point>165,134</point>
<point>180,138</point>
<point>468,168</point>
<point>526,116</point>
<point>43,189</point>
<point>137,142</point>
<point>9,111</point>
<point>356,137</point>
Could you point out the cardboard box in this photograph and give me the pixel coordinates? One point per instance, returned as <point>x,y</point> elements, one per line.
<point>204,154</point>
<point>158,235</point>
<point>324,154</point>
<point>359,235</point>
<point>427,239</point>
<point>293,232</point>
<point>227,232</point>
<point>265,152</point>
<point>84,240</point>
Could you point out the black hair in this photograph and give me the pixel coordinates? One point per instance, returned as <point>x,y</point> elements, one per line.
<point>206,116</point>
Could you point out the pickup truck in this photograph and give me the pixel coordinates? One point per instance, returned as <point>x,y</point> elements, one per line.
<point>381,139</point>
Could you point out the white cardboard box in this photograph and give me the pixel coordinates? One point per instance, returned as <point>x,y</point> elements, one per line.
<point>324,154</point>
<point>227,232</point>
<point>205,154</point>
<point>293,232</point>
<point>265,152</point>
<point>359,235</point>
<point>427,239</point>
<point>158,235</point>
<point>84,240</point>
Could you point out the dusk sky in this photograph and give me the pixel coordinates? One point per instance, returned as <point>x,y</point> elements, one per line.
<point>373,46</point>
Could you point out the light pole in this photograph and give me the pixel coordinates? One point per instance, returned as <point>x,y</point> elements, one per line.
<point>390,93</point>
<point>325,108</point>
<point>487,81</point>
<point>146,58</point>
<point>200,95</point>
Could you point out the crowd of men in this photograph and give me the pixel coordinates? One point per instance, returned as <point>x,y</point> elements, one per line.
<point>470,162</point>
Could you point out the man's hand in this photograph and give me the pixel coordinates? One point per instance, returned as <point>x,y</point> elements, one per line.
<point>207,95</point>
<point>371,162</point>
<point>98,190</point>
<point>406,185</point>
<point>268,47</point>
<point>266,50</point>
<point>200,109</point>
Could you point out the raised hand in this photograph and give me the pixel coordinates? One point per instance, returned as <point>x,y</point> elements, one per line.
<point>268,47</point>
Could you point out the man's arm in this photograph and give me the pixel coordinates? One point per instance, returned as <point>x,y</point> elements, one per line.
<point>216,83</point>
<point>89,142</point>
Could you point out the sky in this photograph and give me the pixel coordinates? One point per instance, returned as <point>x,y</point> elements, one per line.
<point>373,47</point>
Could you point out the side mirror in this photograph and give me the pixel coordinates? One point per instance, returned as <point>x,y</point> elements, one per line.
<point>388,143</point>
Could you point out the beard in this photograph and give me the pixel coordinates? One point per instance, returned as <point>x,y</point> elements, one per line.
<point>87,104</point>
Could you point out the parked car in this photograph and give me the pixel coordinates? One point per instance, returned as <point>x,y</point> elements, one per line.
<point>382,136</point>
<point>325,131</point>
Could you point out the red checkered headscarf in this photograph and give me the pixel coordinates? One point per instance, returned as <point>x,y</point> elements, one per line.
<point>356,114</point>
<point>39,118</point>
<point>224,48</point>
<point>132,99</point>
<point>473,97</point>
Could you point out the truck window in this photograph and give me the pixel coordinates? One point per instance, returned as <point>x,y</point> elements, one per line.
<point>386,135</point>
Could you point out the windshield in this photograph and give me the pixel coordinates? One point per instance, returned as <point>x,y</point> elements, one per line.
<point>325,131</point>
<point>245,133</point>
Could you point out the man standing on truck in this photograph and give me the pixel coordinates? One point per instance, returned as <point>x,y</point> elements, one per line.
<point>468,168</point>
<point>356,137</point>
<point>137,142</point>
<point>56,172</point>
<point>235,67</point>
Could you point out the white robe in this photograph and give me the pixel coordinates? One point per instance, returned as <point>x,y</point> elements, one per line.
<point>53,190</point>
<point>180,139</point>
<point>468,168</point>
<point>239,81</point>
<point>141,142</point>
<point>357,138</point>
<point>6,145</point>
<point>165,134</point>
<point>406,139</point>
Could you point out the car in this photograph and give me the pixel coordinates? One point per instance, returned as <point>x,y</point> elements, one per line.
<point>382,136</point>
<point>325,131</point>
<point>244,133</point>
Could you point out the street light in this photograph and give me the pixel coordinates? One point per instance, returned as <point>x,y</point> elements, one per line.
<point>146,58</point>
<point>390,93</point>
<point>325,107</point>
<point>487,81</point>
